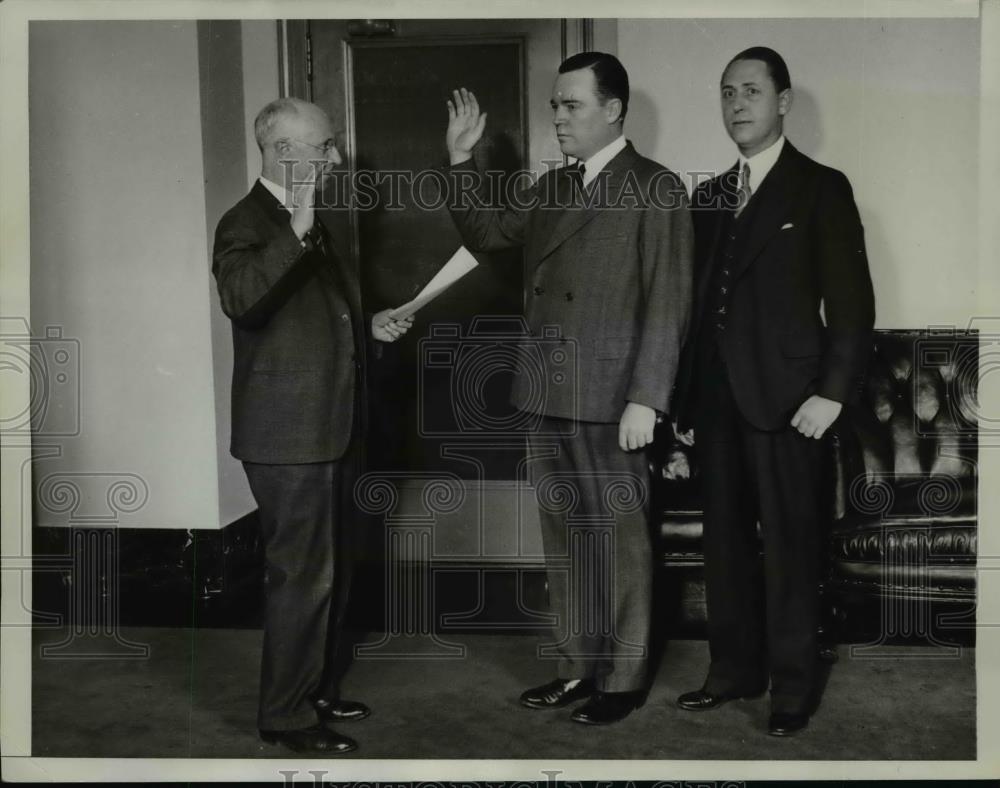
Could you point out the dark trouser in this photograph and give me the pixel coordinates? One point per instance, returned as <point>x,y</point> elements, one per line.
<point>306,527</point>
<point>778,478</point>
<point>594,506</point>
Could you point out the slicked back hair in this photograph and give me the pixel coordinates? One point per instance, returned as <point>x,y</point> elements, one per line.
<point>609,73</point>
<point>775,65</point>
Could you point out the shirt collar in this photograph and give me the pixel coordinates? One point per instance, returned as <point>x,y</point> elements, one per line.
<point>761,163</point>
<point>280,192</point>
<point>599,160</point>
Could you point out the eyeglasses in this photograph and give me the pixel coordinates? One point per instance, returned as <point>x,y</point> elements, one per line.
<point>325,148</point>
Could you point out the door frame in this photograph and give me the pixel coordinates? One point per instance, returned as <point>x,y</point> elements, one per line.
<point>295,51</point>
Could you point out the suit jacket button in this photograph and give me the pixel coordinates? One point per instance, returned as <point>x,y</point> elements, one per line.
<point>345,317</point>
<point>569,296</point>
<point>538,290</point>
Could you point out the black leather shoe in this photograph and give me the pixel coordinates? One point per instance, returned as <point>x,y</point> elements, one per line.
<point>556,694</point>
<point>604,708</point>
<point>782,724</point>
<point>703,700</point>
<point>341,710</point>
<point>315,738</point>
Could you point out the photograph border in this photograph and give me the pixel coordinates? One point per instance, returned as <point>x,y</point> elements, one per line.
<point>15,666</point>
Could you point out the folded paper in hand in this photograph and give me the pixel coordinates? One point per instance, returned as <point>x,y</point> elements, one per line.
<point>458,266</point>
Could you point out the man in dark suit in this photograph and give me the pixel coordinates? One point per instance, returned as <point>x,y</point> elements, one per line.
<point>287,284</point>
<point>607,274</point>
<point>778,239</point>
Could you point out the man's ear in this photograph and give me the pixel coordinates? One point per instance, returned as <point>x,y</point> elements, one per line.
<point>785,101</point>
<point>613,110</point>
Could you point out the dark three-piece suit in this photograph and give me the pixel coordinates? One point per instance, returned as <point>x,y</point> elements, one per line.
<point>607,297</point>
<point>298,346</point>
<point>759,348</point>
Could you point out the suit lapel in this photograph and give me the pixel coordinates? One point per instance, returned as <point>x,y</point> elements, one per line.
<point>769,206</point>
<point>569,220</point>
<point>336,270</point>
<point>582,211</point>
<point>337,267</point>
<point>274,209</point>
<point>717,200</point>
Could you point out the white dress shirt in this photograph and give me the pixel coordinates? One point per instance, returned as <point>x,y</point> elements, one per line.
<point>761,163</point>
<point>599,160</point>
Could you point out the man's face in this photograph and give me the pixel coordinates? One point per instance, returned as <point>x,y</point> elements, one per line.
<point>307,141</point>
<point>581,121</point>
<point>752,108</point>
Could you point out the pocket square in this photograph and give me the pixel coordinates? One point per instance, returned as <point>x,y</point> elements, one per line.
<point>787,226</point>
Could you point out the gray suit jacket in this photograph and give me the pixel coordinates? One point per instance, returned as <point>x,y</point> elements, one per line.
<point>607,284</point>
<point>298,333</point>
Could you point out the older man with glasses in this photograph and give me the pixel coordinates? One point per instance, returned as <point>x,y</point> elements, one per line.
<point>288,285</point>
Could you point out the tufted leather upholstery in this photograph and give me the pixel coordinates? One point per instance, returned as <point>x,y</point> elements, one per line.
<point>905,480</point>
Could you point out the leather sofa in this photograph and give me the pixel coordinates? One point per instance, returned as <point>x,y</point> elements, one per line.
<point>901,553</point>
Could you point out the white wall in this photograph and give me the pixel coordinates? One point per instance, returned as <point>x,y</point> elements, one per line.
<point>894,103</point>
<point>122,211</point>
<point>222,67</point>
<point>259,59</point>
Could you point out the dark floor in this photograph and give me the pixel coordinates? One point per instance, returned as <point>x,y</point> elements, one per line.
<point>194,696</point>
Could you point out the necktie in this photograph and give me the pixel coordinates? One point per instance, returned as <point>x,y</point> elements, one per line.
<point>744,193</point>
<point>575,172</point>
<point>318,238</point>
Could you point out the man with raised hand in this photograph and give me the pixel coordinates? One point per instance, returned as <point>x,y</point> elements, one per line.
<point>607,264</point>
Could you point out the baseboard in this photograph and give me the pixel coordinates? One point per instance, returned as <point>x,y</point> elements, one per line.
<point>91,577</point>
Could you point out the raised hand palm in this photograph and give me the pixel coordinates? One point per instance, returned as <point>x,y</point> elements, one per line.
<point>465,123</point>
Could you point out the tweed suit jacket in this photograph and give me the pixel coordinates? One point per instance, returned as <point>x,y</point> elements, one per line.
<point>608,281</point>
<point>298,334</point>
<point>803,246</point>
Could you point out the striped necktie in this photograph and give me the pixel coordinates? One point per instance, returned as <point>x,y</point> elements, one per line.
<point>744,192</point>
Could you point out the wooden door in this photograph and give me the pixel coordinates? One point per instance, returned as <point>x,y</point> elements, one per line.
<point>390,94</point>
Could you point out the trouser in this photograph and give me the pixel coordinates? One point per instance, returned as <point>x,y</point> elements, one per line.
<point>593,508</point>
<point>763,618</point>
<point>307,528</point>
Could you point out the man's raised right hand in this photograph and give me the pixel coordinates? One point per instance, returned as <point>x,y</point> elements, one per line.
<point>465,125</point>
